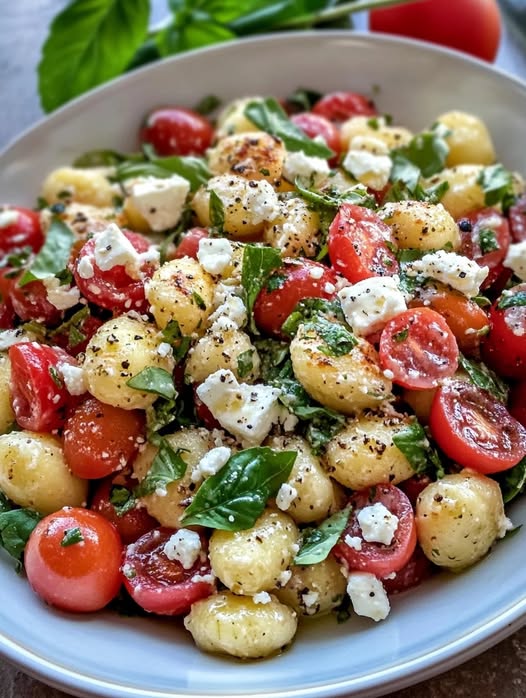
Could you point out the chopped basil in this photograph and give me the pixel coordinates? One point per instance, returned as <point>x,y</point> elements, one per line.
<point>198,300</point>
<point>412,441</point>
<point>400,191</point>
<point>304,99</point>
<point>308,309</point>
<point>54,254</point>
<point>488,240</point>
<point>154,380</point>
<point>216,211</point>
<point>268,115</point>
<point>483,377</point>
<point>510,299</point>
<point>233,498</point>
<point>245,362</point>
<point>17,259</point>
<point>16,526</point>
<point>190,168</point>
<point>424,156</point>
<point>100,158</point>
<point>71,536</point>
<point>497,185</point>
<point>275,359</point>
<point>162,413</point>
<point>65,277</point>
<point>513,482</point>
<point>167,467</point>
<point>55,377</point>
<point>258,264</point>
<point>207,105</point>
<point>338,340</point>
<point>481,301</point>
<point>180,344</point>
<point>319,542</point>
<point>121,499</point>
<point>401,336</point>
<point>333,200</point>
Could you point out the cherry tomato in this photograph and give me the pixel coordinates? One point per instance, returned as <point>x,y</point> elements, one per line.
<point>377,558</point>
<point>465,318</point>
<point>471,26</point>
<point>517,402</point>
<point>39,395</point>
<point>485,238</point>
<point>72,560</point>
<point>177,131</point>
<point>340,106</point>
<point>474,429</point>
<point>19,228</point>
<point>131,524</point>
<point>414,485</point>
<point>189,245</point>
<point>160,585</point>
<point>100,439</point>
<point>296,280</point>
<point>504,348</point>
<point>30,303</point>
<point>357,244</point>
<point>75,342</point>
<point>419,349</point>
<point>7,315</point>
<point>114,289</point>
<point>316,125</point>
<point>517,219</point>
<point>414,572</point>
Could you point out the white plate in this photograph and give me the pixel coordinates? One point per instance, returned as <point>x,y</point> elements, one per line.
<point>430,629</point>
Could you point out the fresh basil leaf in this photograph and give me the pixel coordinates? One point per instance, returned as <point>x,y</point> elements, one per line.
<point>308,309</point>
<point>245,362</point>
<point>333,200</point>
<point>121,499</point>
<point>191,168</point>
<point>100,158</point>
<point>412,441</point>
<point>426,152</point>
<point>511,299</point>
<point>337,338</point>
<point>184,35</point>
<point>71,536</point>
<point>401,336</point>
<point>233,498</point>
<point>167,467</point>
<point>158,416</point>
<point>198,300</point>
<point>16,525</point>
<point>16,259</point>
<point>53,255</point>
<point>304,99</point>
<point>268,115</point>
<point>179,342</point>
<point>154,380</point>
<point>275,359</point>
<point>258,263</point>
<point>400,191</point>
<point>318,543</point>
<point>488,240</point>
<point>90,42</point>
<point>497,185</point>
<point>404,171</point>
<point>513,481</point>
<point>207,105</point>
<point>216,212</point>
<point>483,377</point>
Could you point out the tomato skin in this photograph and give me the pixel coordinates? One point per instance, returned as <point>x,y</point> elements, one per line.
<point>414,572</point>
<point>100,439</point>
<point>39,403</point>
<point>357,244</point>
<point>418,347</point>
<point>30,303</point>
<point>25,231</point>
<point>177,131</point>
<point>414,486</point>
<point>474,429</point>
<point>297,279</point>
<point>517,402</point>
<point>317,125</point>
<point>87,327</point>
<point>504,348</point>
<point>81,577</point>
<point>517,219</point>
<point>377,558</point>
<point>189,245</point>
<point>158,584</point>
<point>340,106</point>
<point>471,26</point>
<point>470,246</point>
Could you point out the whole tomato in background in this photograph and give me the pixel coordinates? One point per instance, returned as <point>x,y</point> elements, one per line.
<point>471,26</point>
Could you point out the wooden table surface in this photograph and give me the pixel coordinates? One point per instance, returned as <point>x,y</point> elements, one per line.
<point>499,672</point>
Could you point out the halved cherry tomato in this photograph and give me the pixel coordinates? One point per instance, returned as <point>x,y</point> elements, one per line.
<point>160,585</point>
<point>517,402</point>
<point>414,572</point>
<point>474,429</point>
<point>340,106</point>
<point>114,289</point>
<point>377,558</point>
<point>100,439</point>
<point>504,348</point>
<point>358,244</point>
<point>419,349</point>
<point>189,245</point>
<point>485,238</point>
<point>316,125</point>
<point>465,318</point>
<point>39,395</point>
<point>19,228</point>
<point>414,485</point>
<point>72,560</point>
<point>517,219</point>
<point>133,522</point>
<point>177,131</point>
<point>291,283</point>
<point>30,303</point>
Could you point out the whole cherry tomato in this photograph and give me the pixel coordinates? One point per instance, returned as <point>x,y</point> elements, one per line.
<point>504,348</point>
<point>19,228</point>
<point>177,131</point>
<point>485,238</point>
<point>316,125</point>
<point>340,106</point>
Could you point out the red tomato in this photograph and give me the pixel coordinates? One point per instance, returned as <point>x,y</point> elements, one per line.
<point>39,396</point>
<point>81,576</point>
<point>517,218</point>
<point>114,289</point>
<point>316,125</point>
<point>418,347</point>
<point>473,229</point>
<point>100,439</point>
<point>357,244</point>
<point>474,429</point>
<point>296,280</point>
<point>414,486</point>
<point>70,341</point>
<point>133,523</point>
<point>504,348</point>
<point>7,315</point>
<point>340,106</point>
<point>189,245</point>
<point>418,569</point>
<point>517,402</point>
<point>377,558</point>
<point>160,585</point>
<point>471,26</point>
<point>177,131</point>
<point>19,228</point>
<point>30,303</point>
<point>203,413</point>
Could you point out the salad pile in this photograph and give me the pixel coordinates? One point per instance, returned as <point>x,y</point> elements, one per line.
<point>271,366</point>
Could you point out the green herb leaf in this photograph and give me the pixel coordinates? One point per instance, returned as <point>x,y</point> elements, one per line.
<point>258,263</point>
<point>167,467</point>
<point>412,441</point>
<point>53,256</point>
<point>308,309</point>
<point>180,344</point>
<point>216,212</point>
<point>318,543</point>
<point>90,42</point>
<point>488,240</point>
<point>198,300</point>
<point>121,499</point>
<point>207,105</point>
<point>71,536</point>
<point>245,362</point>
<point>497,185</point>
<point>513,482</point>
<point>333,200</point>
<point>16,526</point>
<point>193,169</point>
<point>304,99</point>
<point>275,359</point>
<point>483,377</point>
<point>511,299</point>
<point>56,377</point>
<point>233,498</point>
<point>427,152</point>
<point>268,115</point>
<point>100,158</point>
<point>154,380</point>
<point>338,339</point>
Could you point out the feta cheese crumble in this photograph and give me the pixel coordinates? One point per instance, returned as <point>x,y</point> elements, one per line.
<point>60,296</point>
<point>368,596</point>
<point>285,496</point>
<point>211,463</point>
<point>184,546</point>
<point>160,201</point>
<point>516,259</point>
<point>354,542</point>
<point>112,248</point>
<point>306,167</point>
<point>74,378</point>
<point>377,523</point>
<point>371,169</point>
<point>369,304</point>
<point>215,254</point>
<point>449,268</point>
<point>262,597</point>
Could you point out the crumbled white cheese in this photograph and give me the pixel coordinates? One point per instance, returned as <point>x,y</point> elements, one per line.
<point>112,248</point>
<point>371,169</point>
<point>160,201</point>
<point>215,254</point>
<point>8,217</point>
<point>206,578</point>
<point>262,597</point>
<point>60,296</point>
<point>211,463</point>
<point>8,338</point>
<point>257,198</point>
<point>316,272</point>
<point>378,524</point>
<point>449,268</point>
<point>285,496</point>
<point>505,525</point>
<point>184,546</point>
<point>354,542</point>
<point>164,349</point>
<point>516,259</point>
<point>246,411</point>
<point>299,165</point>
<point>369,304</point>
<point>85,268</point>
<point>230,315</point>
<point>368,596</point>
<point>284,578</point>
<point>74,378</point>
<point>310,601</point>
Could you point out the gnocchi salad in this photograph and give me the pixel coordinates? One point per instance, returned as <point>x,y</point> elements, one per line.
<point>270,366</point>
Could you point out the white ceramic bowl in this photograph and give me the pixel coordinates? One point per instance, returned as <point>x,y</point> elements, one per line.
<point>430,629</point>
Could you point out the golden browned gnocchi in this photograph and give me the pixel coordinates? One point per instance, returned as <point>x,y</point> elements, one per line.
<point>7,416</point>
<point>254,155</point>
<point>422,226</point>
<point>223,349</point>
<point>85,186</point>
<point>468,139</point>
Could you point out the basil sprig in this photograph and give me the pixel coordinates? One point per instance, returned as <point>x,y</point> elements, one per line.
<point>16,526</point>
<point>258,264</point>
<point>483,377</point>
<point>497,185</point>
<point>412,441</point>
<point>233,498</point>
<point>154,380</point>
<point>319,542</point>
<point>191,168</point>
<point>311,309</point>
<point>54,254</point>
